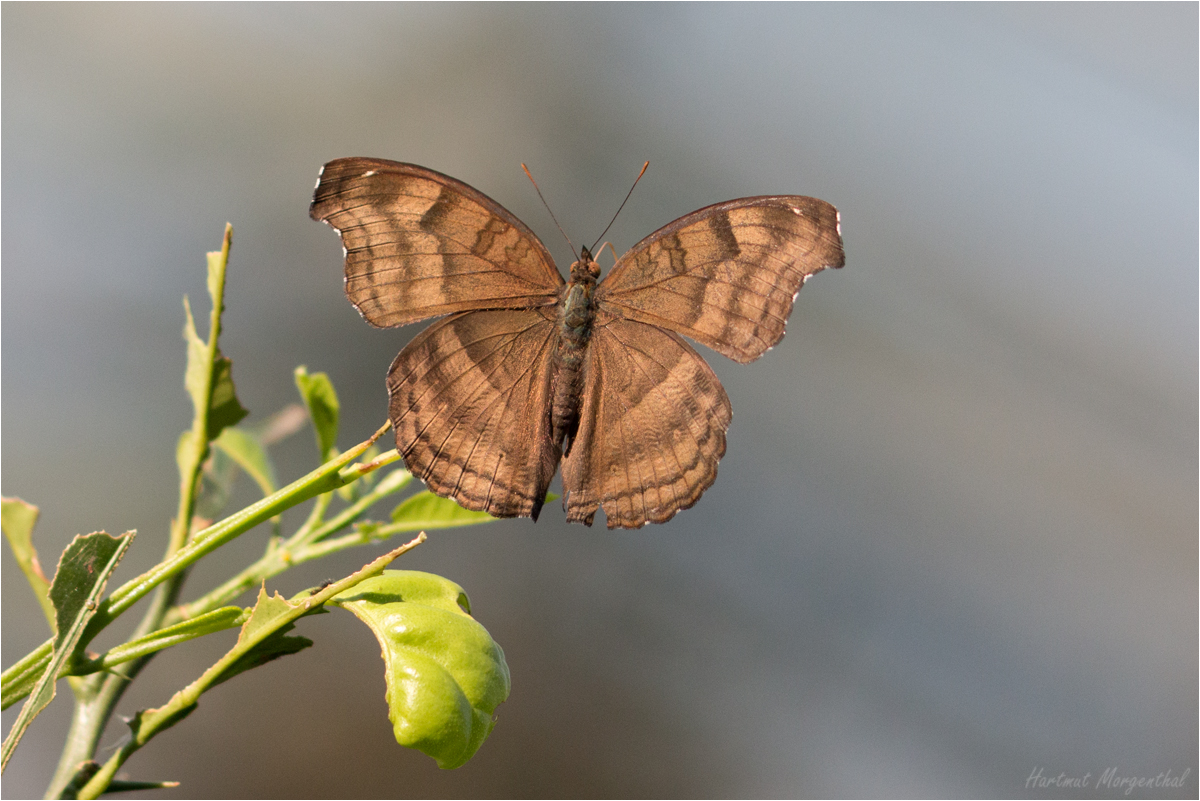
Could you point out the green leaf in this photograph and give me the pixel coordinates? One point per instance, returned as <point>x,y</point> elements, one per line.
<point>83,571</point>
<point>198,370</point>
<point>269,614</point>
<point>17,518</point>
<point>271,648</point>
<point>216,482</point>
<point>427,511</point>
<point>445,674</point>
<point>317,391</point>
<point>224,409</point>
<point>250,455</point>
<point>210,383</point>
<point>262,637</point>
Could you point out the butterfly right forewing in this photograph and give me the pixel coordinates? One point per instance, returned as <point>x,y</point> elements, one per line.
<point>420,244</point>
<point>726,275</point>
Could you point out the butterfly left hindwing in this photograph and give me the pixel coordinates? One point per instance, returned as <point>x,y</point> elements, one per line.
<point>469,402</point>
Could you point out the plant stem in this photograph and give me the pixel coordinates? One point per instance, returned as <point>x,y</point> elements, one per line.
<point>324,479</point>
<point>93,714</point>
<point>87,726</point>
<point>297,549</point>
<point>93,711</point>
<point>194,453</point>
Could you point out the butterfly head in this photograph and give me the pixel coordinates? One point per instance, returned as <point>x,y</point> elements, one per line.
<point>586,269</point>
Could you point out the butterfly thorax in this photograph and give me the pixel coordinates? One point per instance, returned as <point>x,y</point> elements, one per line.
<point>576,308</point>
<point>576,311</point>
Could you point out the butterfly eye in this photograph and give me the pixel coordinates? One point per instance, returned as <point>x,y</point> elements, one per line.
<point>593,269</point>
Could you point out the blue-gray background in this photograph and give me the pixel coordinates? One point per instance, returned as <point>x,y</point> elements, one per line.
<point>954,540</point>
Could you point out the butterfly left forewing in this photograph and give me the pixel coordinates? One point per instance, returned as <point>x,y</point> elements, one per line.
<point>726,275</point>
<point>470,405</point>
<point>420,244</point>
<point>651,430</point>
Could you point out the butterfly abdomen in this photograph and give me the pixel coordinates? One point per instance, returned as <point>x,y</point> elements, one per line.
<point>576,313</point>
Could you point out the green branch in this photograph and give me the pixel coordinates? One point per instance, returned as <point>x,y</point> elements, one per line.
<point>300,547</point>
<point>270,616</point>
<point>325,478</point>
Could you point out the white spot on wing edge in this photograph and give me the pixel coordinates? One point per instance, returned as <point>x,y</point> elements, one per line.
<point>838,215</point>
<point>369,173</point>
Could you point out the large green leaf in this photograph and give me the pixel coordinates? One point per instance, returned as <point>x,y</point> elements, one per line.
<point>78,584</point>
<point>445,674</point>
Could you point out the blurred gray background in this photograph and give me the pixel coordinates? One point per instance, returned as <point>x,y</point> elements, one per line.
<point>954,540</point>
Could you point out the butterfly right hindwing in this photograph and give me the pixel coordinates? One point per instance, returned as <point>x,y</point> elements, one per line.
<point>652,426</point>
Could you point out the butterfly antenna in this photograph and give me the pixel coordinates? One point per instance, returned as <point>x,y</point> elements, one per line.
<point>623,202</point>
<point>547,205</point>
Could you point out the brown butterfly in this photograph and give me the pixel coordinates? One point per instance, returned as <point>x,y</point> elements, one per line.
<point>525,369</point>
